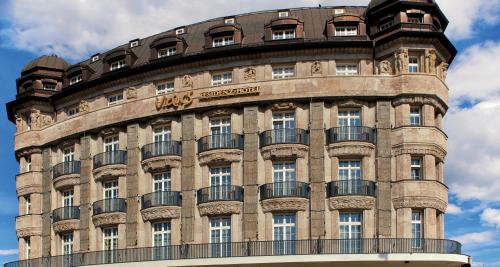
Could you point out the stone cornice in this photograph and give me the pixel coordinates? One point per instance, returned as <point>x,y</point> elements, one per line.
<point>420,203</point>
<point>419,149</point>
<point>420,100</point>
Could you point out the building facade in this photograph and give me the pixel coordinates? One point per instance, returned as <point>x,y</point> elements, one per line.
<point>310,134</point>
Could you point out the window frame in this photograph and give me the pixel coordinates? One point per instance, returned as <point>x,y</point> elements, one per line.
<point>117,64</point>
<point>413,67</point>
<point>225,78</point>
<point>76,79</point>
<point>346,30</point>
<point>167,52</point>
<point>223,41</point>
<point>385,25</point>
<point>167,87</point>
<point>72,111</point>
<point>49,86</point>
<point>417,241</point>
<point>415,116</point>
<point>118,99</point>
<point>284,34</point>
<point>27,204</point>
<point>346,69</point>
<point>67,243</point>
<point>284,72</point>
<point>416,167</point>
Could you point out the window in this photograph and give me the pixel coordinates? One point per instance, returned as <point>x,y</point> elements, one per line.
<point>49,86</point>
<point>283,127</point>
<point>67,244</point>
<point>416,228</point>
<point>385,25</point>
<point>27,205</point>
<point>164,87</point>
<point>161,240</point>
<point>350,232</point>
<point>27,247</point>
<point>413,65</point>
<point>220,183</point>
<point>134,43</point>
<point>110,190</point>
<point>415,116</point>
<point>283,14</point>
<point>67,198</point>
<point>117,65</point>
<point>180,31</point>
<point>347,69</point>
<point>338,11</point>
<point>346,31</point>
<point>75,79</point>
<point>220,133</point>
<point>415,18</point>
<point>162,182</point>
<point>283,72</point>
<point>73,110</point>
<point>416,168</point>
<point>162,134</point>
<point>229,21</point>
<point>220,237</point>
<point>95,58</point>
<point>349,170</point>
<point>222,41</point>
<point>349,122</point>
<point>283,34</point>
<point>284,230</point>
<point>222,78</point>
<point>283,178</point>
<point>28,163</point>
<point>69,154</point>
<point>111,143</point>
<point>110,244</point>
<point>166,52</point>
<point>115,99</point>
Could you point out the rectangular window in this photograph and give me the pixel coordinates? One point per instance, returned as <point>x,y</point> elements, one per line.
<point>415,116</point>
<point>68,154</point>
<point>110,244</point>
<point>220,237</point>
<point>220,133</point>
<point>283,14</point>
<point>115,99</point>
<point>95,58</point>
<point>349,122</point>
<point>72,111</point>
<point>347,69</point>
<point>283,72</point>
<point>350,232</point>
<point>416,168</point>
<point>167,52</point>
<point>111,143</point>
<point>75,79</point>
<point>134,43</point>
<point>283,127</point>
<point>350,170</point>
<point>222,41</point>
<point>117,65</point>
<point>67,198</point>
<point>220,183</point>
<point>284,179</point>
<point>27,205</point>
<point>49,86</point>
<point>164,87</point>
<point>416,228</point>
<point>413,65</point>
<point>385,25</point>
<point>162,182</point>
<point>161,240</point>
<point>111,147</point>
<point>222,78</point>
<point>284,233</point>
<point>162,134</point>
<point>27,247</point>
<point>229,21</point>
<point>415,18</point>
<point>67,244</point>
<point>110,189</point>
<point>346,31</point>
<point>28,163</point>
<point>180,31</point>
<point>283,34</point>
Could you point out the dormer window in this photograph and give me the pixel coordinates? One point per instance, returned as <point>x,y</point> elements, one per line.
<point>284,28</point>
<point>75,79</point>
<point>180,31</point>
<point>167,52</point>
<point>338,11</point>
<point>117,65</point>
<point>385,25</point>
<point>284,34</point>
<point>49,86</point>
<point>222,41</point>
<point>95,58</point>
<point>283,14</point>
<point>346,31</point>
<point>415,18</point>
<point>134,43</point>
<point>229,21</point>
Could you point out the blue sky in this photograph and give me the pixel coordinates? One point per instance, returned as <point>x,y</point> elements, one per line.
<point>77,29</point>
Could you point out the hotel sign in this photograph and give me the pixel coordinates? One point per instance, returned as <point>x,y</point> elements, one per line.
<point>235,92</point>
<point>175,101</point>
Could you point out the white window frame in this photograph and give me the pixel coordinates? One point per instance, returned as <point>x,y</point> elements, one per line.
<point>346,31</point>
<point>347,69</point>
<point>415,18</point>
<point>67,244</point>
<point>110,235</point>
<point>110,189</point>
<point>348,231</point>
<point>229,21</point>
<point>75,79</point>
<point>163,230</point>
<point>27,159</point>
<point>115,99</point>
<point>222,78</point>
<point>284,171</point>
<point>222,41</point>
<point>95,58</point>
<point>417,228</point>
<point>350,167</point>
<point>287,225</point>
<point>283,72</point>
<point>221,226</point>
<point>284,34</point>
<point>338,11</point>
<point>68,154</point>
<point>134,43</point>
<point>118,64</point>
<point>416,166</point>
<point>164,87</point>
<point>27,204</point>
<point>27,247</point>
<point>167,52</point>
<point>180,31</point>
<point>162,181</point>
<point>72,111</point>
<point>162,134</point>
<point>415,116</point>
<point>385,25</point>
<point>111,143</point>
<point>49,86</point>
<point>283,14</point>
<point>67,198</point>
<point>413,64</point>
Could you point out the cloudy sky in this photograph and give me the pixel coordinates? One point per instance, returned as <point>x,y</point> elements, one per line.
<point>78,28</point>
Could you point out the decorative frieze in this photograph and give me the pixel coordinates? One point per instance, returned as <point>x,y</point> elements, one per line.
<point>284,204</point>
<point>352,202</point>
<point>442,70</point>
<point>66,226</point>
<point>39,120</point>
<point>161,213</point>
<point>401,61</point>
<point>316,68</point>
<point>420,100</point>
<point>161,163</point>
<point>84,106</point>
<point>385,67</point>
<point>219,156</point>
<point>187,81</point>
<point>249,74</point>
<point>105,219</point>
<point>231,92</point>
<point>420,203</point>
<point>284,151</point>
<point>346,149</point>
<point>131,93</point>
<point>419,149</point>
<point>220,208</point>
<point>110,171</point>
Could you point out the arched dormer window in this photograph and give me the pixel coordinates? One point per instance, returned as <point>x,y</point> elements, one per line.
<point>282,28</point>
<point>345,25</point>
<point>223,35</point>
<point>116,59</point>
<point>167,46</point>
<point>76,74</point>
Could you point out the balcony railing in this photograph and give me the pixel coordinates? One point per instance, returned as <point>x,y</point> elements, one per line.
<point>161,198</point>
<point>351,188</point>
<point>350,133</point>
<point>407,26</point>
<point>284,189</point>
<point>68,167</point>
<point>284,136</point>
<point>166,148</point>
<point>66,213</point>
<point>220,141</point>
<point>110,158</point>
<point>249,249</point>
<point>220,193</point>
<point>109,205</point>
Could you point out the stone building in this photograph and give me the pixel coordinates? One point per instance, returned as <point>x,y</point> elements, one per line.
<point>313,135</point>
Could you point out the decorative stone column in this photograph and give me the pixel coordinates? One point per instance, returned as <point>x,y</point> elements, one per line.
<point>46,207</point>
<point>428,115</point>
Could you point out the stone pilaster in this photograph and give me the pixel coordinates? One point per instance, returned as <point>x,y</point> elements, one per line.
<point>383,157</point>
<point>85,177</point>
<point>46,207</point>
<point>317,170</point>
<point>133,158</point>
<point>250,172</point>
<point>187,178</point>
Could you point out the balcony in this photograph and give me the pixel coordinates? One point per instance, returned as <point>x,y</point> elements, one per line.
<point>161,205</point>
<point>66,219</point>
<point>284,196</point>
<point>66,174</point>
<point>405,27</point>
<point>351,194</point>
<point>160,155</point>
<point>317,252</point>
<point>287,142</point>
<point>220,200</point>
<point>350,141</point>
<point>109,211</point>
<point>220,148</point>
<point>110,164</point>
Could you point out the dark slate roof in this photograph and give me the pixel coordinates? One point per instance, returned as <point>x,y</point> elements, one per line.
<point>52,62</point>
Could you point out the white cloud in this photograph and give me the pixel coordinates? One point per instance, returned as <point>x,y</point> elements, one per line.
<point>453,209</point>
<point>491,216</point>
<point>7,252</point>
<point>475,238</point>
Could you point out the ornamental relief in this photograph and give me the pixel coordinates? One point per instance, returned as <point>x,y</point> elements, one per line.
<point>442,70</point>
<point>28,151</point>
<point>159,213</point>
<point>187,81</point>
<point>430,61</point>
<point>316,68</point>
<point>110,171</point>
<point>351,149</point>
<point>161,163</point>
<point>131,93</point>
<point>284,106</point>
<point>349,103</point>
<point>39,120</point>
<point>219,156</point>
<point>249,74</point>
<point>420,202</point>
<point>352,202</point>
<point>29,231</point>
<point>420,100</point>
<point>19,123</point>
<point>109,219</point>
<point>284,204</point>
<point>220,208</point>
<point>84,106</point>
<point>401,61</point>
<point>284,151</point>
<point>66,226</point>
<point>420,149</point>
<point>384,68</point>
<point>220,112</point>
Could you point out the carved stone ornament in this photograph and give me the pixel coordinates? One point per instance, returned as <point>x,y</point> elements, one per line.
<point>285,151</point>
<point>161,163</point>
<point>350,103</point>
<point>39,120</point>
<point>420,203</point>
<point>28,151</point>
<point>187,81</point>
<point>109,131</point>
<point>442,70</point>
<point>105,219</point>
<point>401,61</point>
<point>67,180</point>
<point>316,67</point>
<point>110,171</point>
<point>29,231</point>
<point>131,93</point>
<point>352,202</point>
<point>66,226</point>
<point>430,61</point>
<point>420,100</point>
<point>161,213</point>
<point>220,155</point>
<point>283,106</point>
<point>346,149</point>
<point>220,112</point>
<point>249,74</point>
<point>420,149</point>
<point>161,121</point>
<point>284,204</point>
<point>384,67</point>
<point>19,123</point>
<point>220,208</point>
<point>84,106</point>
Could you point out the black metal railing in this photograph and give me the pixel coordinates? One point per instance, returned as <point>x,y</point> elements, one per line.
<point>165,148</point>
<point>161,198</point>
<point>110,158</point>
<point>66,213</point>
<point>109,205</point>
<point>350,133</point>
<point>284,136</point>
<point>284,189</point>
<point>351,188</point>
<point>249,249</point>
<point>68,167</point>
<point>220,141</point>
<point>407,26</point>
<point>220,193</point>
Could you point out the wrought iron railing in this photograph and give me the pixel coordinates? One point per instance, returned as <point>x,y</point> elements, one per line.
<point>68,167</point>
<point>66,213</point>
<point>110,158</point>
<point>220,193</point>
<point>161,198</point>
<point>164,148</point>
<point>109,205</point>
<point>220,141</point>
<point>351,188</point>
<point>284,136</point>
<point>284,189</point>
<point>350,133</point>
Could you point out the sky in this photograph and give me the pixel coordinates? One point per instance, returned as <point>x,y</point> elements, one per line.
<point>79,28</point>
